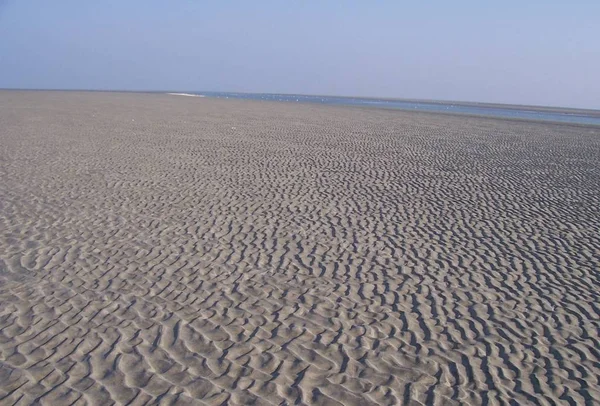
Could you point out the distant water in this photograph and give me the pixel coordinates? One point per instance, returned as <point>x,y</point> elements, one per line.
<point>566,116</point>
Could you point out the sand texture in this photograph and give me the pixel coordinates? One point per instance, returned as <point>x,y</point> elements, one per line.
<point>157,249</point>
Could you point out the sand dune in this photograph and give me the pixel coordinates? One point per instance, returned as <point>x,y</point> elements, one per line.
<point>167,250</point>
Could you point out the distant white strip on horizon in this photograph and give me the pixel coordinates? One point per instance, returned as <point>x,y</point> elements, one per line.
<point>186,94</point>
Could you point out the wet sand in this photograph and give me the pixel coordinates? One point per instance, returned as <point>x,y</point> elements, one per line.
<point>179,250</point>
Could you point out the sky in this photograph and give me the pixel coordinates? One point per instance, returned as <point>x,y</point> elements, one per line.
<point>520,52</point>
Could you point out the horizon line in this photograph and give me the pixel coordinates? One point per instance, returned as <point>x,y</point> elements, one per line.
<point>386,98</point>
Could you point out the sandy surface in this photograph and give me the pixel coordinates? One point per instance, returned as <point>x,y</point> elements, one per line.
<point>186,94</point>
<point>190,250</point>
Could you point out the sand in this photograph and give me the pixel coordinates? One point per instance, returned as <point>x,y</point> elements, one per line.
<point>186,94</point>
<point>178,250</point>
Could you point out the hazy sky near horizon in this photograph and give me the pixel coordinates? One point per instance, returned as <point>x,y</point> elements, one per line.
<point>533,52</point>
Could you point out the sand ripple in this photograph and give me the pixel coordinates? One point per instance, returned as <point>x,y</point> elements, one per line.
<point>183,250</point>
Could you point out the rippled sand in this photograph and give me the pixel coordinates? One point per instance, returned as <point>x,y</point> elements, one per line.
<point>197,251</point>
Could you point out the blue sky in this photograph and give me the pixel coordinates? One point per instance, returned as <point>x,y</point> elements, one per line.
<point>528,52</point>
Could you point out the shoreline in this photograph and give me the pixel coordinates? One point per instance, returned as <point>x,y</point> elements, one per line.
<point>533,108</point>
<point>186,94</point>
<point>332,106</point>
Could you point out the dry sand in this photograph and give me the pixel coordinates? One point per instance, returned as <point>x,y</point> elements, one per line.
<point>197,251</point>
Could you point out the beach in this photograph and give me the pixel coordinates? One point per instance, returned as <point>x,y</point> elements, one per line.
<point>189,250</point>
